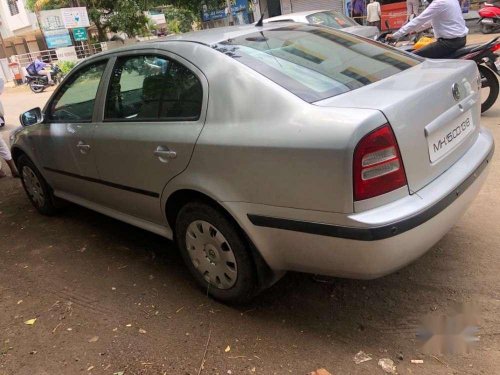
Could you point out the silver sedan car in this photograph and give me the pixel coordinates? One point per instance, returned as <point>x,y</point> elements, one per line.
<point>262,150</point>
<point>328,18</point>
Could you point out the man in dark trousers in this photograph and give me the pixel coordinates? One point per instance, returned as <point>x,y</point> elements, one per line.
<point>446,19</point>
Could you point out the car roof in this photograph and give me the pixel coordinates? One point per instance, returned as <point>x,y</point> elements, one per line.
<point>296,15</point>
<point>212,36</point>
<point>208,37</point>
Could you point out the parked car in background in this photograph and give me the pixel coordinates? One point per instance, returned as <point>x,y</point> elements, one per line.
<point>328,18</point>
<point>261,150</point>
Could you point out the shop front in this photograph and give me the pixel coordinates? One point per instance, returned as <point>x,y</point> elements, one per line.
<point>273,8</point>
<point>394,12</point>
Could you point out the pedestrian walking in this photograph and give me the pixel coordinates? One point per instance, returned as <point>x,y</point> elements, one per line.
<point>358,10</point>
<point>5,155</point>
<point>373,14</point>
<point>412,9</point>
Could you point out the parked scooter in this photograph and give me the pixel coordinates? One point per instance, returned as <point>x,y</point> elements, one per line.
<point>490,17</point>
<point>485,56</point>
<point>39,83</point>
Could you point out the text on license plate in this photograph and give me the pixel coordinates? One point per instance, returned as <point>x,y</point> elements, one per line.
<point>447,138</point>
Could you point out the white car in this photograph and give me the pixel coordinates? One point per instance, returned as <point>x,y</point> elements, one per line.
<point>328,18</point>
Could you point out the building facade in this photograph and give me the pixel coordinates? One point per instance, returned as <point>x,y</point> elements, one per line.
<point>19,29</point>
<point>272,8</point>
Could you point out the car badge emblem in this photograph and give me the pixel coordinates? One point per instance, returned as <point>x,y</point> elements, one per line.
<point>455,90</point>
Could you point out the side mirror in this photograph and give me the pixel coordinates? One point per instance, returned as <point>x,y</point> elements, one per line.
<point>31,117</point>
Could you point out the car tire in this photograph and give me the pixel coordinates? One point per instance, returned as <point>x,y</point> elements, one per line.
<point>493,84</point>
<point>38,191</point>
<point>216,253</point>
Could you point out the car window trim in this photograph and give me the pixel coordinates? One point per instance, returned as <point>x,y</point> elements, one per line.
<point>163,54</point>
<point>77,69</point>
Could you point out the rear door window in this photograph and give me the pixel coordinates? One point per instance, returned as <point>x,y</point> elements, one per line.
<point>153,88</point>
<point>316,63</point>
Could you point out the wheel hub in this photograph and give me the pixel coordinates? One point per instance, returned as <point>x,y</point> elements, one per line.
<point>212,253</point>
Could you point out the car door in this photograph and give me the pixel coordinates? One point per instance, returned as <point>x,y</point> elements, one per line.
<point>155,110</point>
<point>64,144</point>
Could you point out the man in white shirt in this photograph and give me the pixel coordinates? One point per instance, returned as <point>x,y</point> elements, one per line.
<point>373,13</point>
<point>5,154</point>
<point>446,19</point>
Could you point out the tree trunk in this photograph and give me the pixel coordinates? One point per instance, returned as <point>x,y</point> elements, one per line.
<point>101,32</point>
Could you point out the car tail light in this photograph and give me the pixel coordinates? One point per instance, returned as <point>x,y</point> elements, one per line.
<point>378,167</point>
<point>495,48</point>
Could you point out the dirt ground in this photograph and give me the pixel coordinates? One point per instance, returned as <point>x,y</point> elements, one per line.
<point>110,299</point>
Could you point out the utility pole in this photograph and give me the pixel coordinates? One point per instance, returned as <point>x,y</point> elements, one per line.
<point>230,12</point>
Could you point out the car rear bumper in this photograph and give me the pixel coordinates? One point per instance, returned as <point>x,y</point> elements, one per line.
<point>375,242</point>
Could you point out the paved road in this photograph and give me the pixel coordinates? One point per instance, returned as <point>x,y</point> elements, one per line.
<point>109,297</point>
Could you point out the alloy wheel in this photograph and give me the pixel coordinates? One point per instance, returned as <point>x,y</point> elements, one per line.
<point>211,254</point>
<point>33,186</point>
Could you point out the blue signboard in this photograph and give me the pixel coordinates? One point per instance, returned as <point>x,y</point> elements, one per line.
<point>240,8</point>
<point>58,38</point>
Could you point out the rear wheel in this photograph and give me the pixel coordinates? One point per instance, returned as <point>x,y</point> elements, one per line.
<point>489,88</point>
<point>485,29</point>
<point>38,191</point>
<point>37,86</point>
<point>216,253</point>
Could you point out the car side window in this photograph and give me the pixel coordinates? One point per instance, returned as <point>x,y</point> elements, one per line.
<point>74,102</point>
<point>153,88</point>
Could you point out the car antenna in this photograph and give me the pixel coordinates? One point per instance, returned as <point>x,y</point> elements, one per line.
<point>260,23</point>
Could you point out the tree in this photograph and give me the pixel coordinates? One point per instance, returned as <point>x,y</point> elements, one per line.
<point>179,20</point>
<point>113,15</point>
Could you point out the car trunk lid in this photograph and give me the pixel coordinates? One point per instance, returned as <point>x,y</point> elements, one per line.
<point>434,110</point>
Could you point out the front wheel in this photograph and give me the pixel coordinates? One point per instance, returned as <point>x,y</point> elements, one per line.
<point>37,189</point>
<point>489,88</point>
<point>216,253</point>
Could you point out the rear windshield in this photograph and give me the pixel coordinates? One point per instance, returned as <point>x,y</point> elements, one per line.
<point>331,19</point>
<point>316,63</point>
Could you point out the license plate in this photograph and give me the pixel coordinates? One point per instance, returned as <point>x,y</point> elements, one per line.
<point>487,20</point>
<point>447,138</point>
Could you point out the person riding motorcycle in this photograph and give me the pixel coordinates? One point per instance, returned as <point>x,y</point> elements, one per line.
<point>38,67</point>
<point>450,31</point>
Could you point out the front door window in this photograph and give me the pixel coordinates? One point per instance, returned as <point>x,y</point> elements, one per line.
<point>74,102</point>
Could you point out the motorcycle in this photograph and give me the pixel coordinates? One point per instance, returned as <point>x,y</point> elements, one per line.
<point>38,83</point>
<point>490,17</point>
<point>484,55</point>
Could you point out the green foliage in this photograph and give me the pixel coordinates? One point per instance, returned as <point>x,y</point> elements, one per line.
<point>128,19</point>
<point>66,66</point>
<point>127,15</point>
<point>179,20</point>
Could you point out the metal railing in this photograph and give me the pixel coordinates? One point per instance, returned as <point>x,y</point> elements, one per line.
<point>26,58</point>
<point>82,51</point>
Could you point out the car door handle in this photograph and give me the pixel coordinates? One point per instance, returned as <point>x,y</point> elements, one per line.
<point>83,147</point>
<point>164,153</point>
